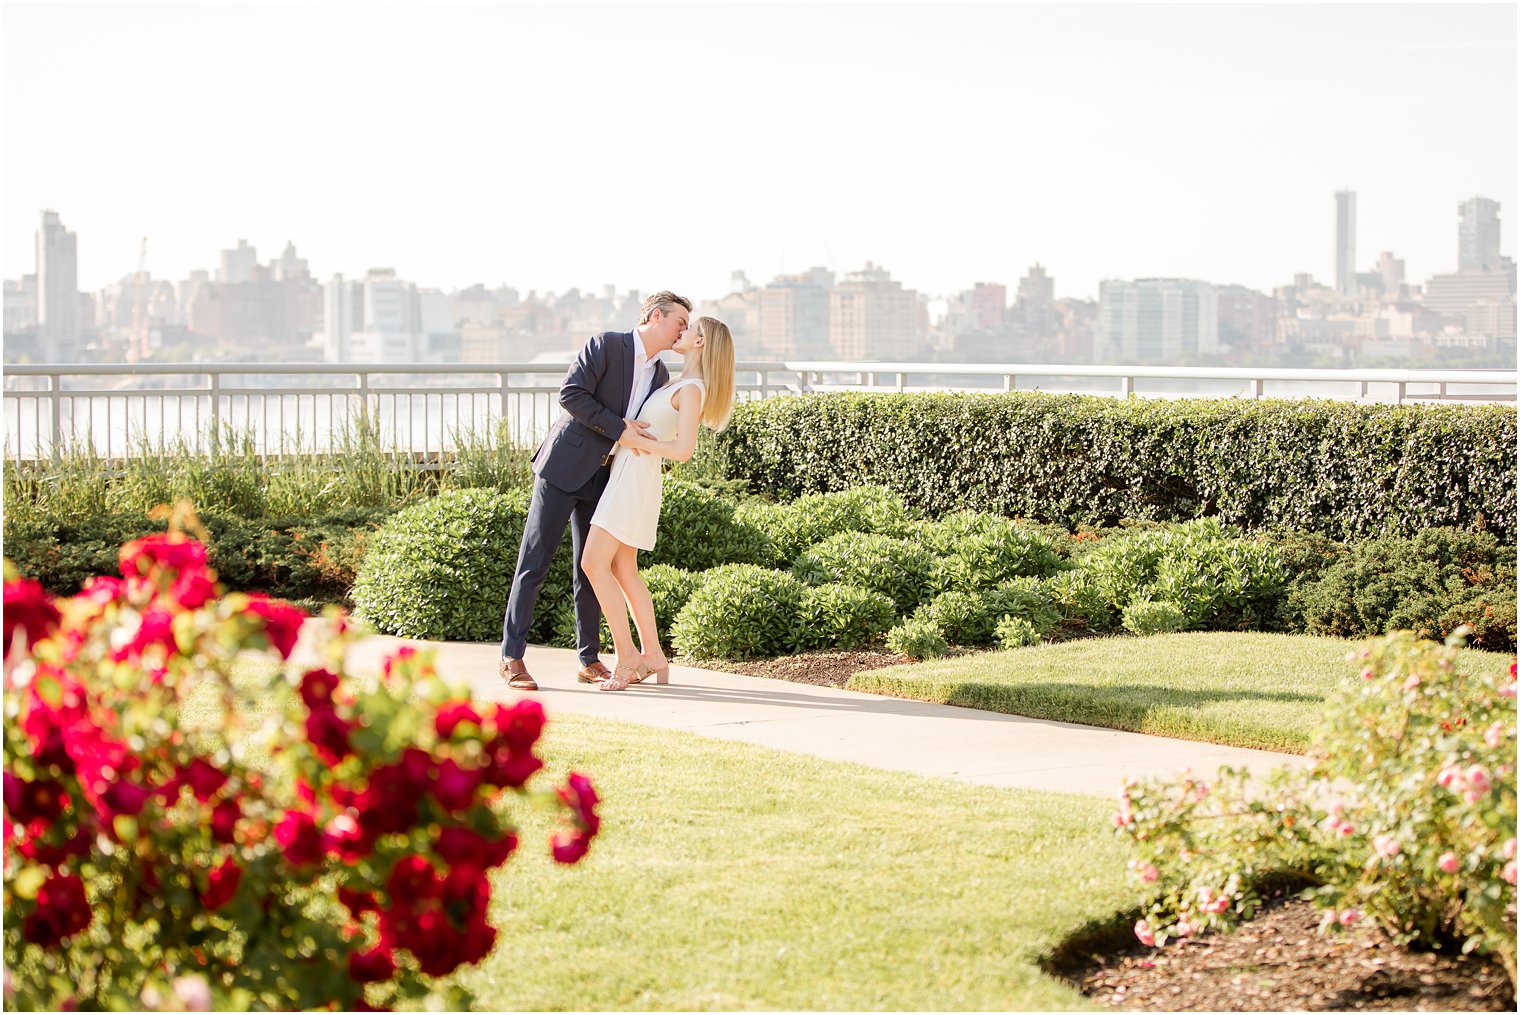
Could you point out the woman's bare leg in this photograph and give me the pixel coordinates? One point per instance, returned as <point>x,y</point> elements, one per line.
<point>597,558</point>
<point>625,568</point>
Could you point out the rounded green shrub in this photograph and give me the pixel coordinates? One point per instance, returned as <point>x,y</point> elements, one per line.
<point>669,588</point>
<point>1147,616</point>
<point>917,639</point>
<point>1431,584</point>
<point>898,568</point>
<point>1080,601</point>
<point>845,616</point>
<point>983,551</point>
<point>961,616</point>
<point>794,527</point>
<point>1214,575</point>
<point>1024,599</point>
<point>1016,632</point>
<point>698,530</point>
<point>441,569</point>
<point>741,611</point>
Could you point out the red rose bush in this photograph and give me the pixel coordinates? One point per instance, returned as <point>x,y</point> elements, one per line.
<point>197,814</point>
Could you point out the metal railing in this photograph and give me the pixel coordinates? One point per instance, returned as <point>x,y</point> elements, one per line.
<point>425,409</point>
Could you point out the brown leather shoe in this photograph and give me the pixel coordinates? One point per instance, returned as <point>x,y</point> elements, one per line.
<point>515,673</point>
<point>593,673</point>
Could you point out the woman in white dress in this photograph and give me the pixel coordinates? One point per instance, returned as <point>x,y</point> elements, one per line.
<point>628,514</point>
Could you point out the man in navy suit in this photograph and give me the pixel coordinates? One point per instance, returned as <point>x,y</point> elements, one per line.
<point>602,393</point>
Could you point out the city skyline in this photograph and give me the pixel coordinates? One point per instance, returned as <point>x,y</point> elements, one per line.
<point>953,145</point>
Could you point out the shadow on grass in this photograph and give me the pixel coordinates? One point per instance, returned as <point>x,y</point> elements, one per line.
<point>1136,708</point>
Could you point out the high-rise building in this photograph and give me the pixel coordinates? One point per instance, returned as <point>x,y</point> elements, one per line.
<point>1478,235</point>
<point>1484,301</point>
<point>872,317</point>
<point>1392,271</point>
<point>1035,307</point>
<point>1156,319</point>
<point>57,291</point>
<point>239,265</point>
<point>1345,241</point>
<point>794,315</point>
<point>337,319</point>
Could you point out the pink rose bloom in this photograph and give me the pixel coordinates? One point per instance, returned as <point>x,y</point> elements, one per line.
<point>1386,845</point>
<point>1350,917</point>
<point>1449,863</point>
<point>1367,673</point>
<point>1183,928</point>
<point>1411,682</point>
<point>1508,874</point>
<point>1446,777</point>
<point>1509,849</point>
<point>1219,905</point>
<point>1149,873</point>
<point>1495,735</point>
<point>1144,934</point>
<point>193,992</point>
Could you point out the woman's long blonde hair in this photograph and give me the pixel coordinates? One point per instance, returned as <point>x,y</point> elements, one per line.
<point>715,365</point>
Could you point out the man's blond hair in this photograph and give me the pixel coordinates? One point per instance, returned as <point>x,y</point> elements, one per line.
<point>664,301</point>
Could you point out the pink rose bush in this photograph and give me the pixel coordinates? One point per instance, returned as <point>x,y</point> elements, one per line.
<point>183,831</point>
<point>1406,818</point>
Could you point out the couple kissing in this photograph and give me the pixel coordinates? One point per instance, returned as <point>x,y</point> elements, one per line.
<point>600,471</point>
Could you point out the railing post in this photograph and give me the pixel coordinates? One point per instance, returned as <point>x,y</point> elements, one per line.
<point>1257,384</point>
<point>55,388</point>
<point>1126,386</point>
<point>1010,382</point>
<point>902,380</point>
<point>216,406</point>
<point>1402,387</point>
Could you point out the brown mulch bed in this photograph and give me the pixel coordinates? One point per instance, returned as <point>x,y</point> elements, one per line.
<point>828,669</point>
<point>1279,961</point>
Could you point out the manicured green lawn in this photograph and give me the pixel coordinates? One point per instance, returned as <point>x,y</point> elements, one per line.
<point>1246,689</point>
<point>731,876</point>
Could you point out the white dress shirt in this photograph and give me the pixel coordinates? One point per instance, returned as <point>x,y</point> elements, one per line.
<point>643,373</point>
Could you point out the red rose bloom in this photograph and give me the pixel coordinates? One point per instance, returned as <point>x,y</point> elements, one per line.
<point>61,912</point>
<point>373,966</point>
<point>455,786</point>
<point>168,551</point>
<point>203,778</point>
<point>466,847</point>
<point>569,846</point>
<point>224,880</point>
<point>193,589</point>
<point>42,799</point>
<point>520,724</point>
<point>451,714</point>
<point>317,687</point>
<point>357,902</point>
<point>328,734</point>
<point>224,821</point>
<point>297,832</point>
<point>282,622</point>
<point>30,609</point>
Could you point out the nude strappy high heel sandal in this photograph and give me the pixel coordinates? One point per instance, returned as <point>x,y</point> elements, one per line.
<point>622,676</point>
<point>661,675</point>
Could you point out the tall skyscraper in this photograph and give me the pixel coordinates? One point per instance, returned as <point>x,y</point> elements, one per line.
<point>1478,235</point>
<point>57,291</point>
<point>1345,241</point>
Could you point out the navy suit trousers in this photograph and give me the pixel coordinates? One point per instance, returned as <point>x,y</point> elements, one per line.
<point>548,514</point>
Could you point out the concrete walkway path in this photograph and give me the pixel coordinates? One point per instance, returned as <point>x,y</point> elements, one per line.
<point>987,748</point>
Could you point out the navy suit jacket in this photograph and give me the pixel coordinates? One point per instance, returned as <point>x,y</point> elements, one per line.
<point>594,403</point>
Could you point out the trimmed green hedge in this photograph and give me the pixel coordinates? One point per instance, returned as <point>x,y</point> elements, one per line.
<point>1348,470</point>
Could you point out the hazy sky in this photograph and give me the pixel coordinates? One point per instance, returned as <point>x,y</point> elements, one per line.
<point>665,146</point>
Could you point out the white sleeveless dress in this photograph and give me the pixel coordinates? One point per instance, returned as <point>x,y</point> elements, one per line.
<point>630,506</point>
